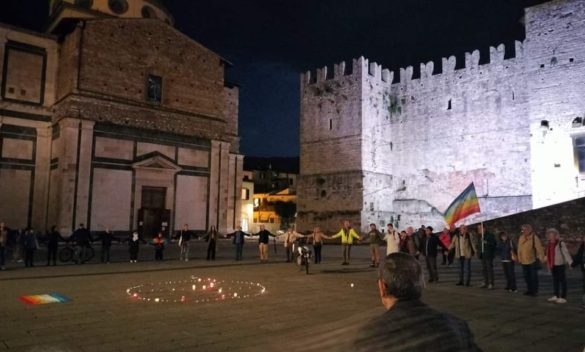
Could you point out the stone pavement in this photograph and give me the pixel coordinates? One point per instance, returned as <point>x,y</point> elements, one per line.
<point>320,311</point>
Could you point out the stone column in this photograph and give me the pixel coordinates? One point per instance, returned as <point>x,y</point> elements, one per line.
<point>41,179</point>
<point>224,182</point>
<point>75,168</point>
<point>212,201</point>
<point>84,173</point>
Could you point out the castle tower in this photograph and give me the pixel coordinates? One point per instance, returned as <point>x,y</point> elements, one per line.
<point>62,10</point>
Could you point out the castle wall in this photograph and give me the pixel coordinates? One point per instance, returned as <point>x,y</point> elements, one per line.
<point>555,60</point>
<point>424,140</point>
<point>330,181</point>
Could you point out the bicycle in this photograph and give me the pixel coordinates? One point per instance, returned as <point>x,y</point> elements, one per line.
<point>73,253</point>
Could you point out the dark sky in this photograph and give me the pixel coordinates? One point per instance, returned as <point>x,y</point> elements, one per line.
<point>271,41</point>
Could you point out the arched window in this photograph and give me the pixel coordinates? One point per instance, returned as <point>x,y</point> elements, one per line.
<point>118,6</point>
<point>148,12</point>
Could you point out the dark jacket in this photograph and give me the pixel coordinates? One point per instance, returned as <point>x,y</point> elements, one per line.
<point>238,237</point>
<point>579,260</point>
<point>82,236</point>
<point>134,244</point>
<point>263,236</point>
<point>394,331</point>
<point>506,249</point>
<point>186,234</point>
<point>107,238</point>
<point>429,245</point>
<point>486,247</point>
<point>30,240</point>
<point>53,238</point>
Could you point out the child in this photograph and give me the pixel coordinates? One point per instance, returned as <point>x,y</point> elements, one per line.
<point>134,245</point>
<point>159,246</point>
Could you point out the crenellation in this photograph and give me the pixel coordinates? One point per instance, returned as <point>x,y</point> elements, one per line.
<point>426,70</point>
<point>472,60</point>
<point>339,70</point>
<point>449,64</point>
<point>406,75</point>
<point>497,54</point>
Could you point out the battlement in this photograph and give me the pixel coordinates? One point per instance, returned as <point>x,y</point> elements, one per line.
<point>362,66</point>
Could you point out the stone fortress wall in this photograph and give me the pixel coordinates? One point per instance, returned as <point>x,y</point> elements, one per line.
<point>383,147</point>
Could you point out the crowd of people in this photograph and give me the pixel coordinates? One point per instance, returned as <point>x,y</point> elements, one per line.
<point>456,246</point>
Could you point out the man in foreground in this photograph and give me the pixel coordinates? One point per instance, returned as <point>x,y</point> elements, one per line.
<point>400,286</point>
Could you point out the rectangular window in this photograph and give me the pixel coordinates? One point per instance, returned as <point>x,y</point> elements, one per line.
<point>579,145</point>
<point>245,194</point>
<point>154,89</point>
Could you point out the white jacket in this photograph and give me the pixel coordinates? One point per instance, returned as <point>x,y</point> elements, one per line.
<point>392,242</point>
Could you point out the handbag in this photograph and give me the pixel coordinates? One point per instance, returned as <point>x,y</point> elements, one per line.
<point>537,262</point>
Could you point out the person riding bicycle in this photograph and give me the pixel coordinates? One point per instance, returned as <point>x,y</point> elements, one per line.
<point>82,238</point>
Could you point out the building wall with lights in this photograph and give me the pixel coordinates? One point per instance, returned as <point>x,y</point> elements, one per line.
<point>116,121</point>
<point>379,147</point>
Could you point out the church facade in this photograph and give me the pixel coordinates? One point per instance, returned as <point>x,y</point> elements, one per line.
<point>378,147</point>
<point>115,119</point>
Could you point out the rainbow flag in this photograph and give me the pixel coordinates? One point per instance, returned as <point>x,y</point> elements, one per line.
<point>44,299</point>
<point>463,206</point>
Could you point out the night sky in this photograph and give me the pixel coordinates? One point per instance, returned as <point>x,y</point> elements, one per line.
<point>271,41</point>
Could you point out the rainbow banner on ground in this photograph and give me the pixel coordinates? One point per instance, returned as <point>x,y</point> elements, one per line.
<point>464,205</point>
<point>44,299</point>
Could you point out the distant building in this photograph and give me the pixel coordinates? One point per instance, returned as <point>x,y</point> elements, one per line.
<point>274,193</point>
<point>113,118</point>
<point>379,147</point>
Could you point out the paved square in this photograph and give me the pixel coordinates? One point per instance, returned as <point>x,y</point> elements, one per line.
<point>320,311</point>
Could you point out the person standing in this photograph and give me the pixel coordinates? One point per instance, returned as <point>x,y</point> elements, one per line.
<point>263,239</point>
<point>557,259</point>
<point>3,245</point>
<point>238,240</point>
<point>30,246</point>
<point>407,243</point>
<point>464,251</point>
<point>376,240</point>
<point>107,238</point>
<point>509,255</point>
<point>18,248</point>
<point>486,253</point>
<point>82,238</point>
<point>316,237</point>
<point>347,235</point>
<point>53,238</point>
<point>408,324</point>
<point>392,239</point>
<point>430,245</point>
<point>159,242</point>
<point>212,237</point>
<point>445,238</point>
<point>530,256</point>
<point>184,236</point>
<point>580,262</point>
<point>134,246</point>
<point>290,236</point>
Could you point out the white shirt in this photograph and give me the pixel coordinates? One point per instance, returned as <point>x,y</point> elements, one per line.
<point>392,242</point>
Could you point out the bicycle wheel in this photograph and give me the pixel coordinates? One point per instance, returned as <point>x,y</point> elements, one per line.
<point>66,254</point>
<point>89,253</point>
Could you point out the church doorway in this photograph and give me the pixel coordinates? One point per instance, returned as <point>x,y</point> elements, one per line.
<point>153,215</point>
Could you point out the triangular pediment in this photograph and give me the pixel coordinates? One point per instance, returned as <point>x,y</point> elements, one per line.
<point>155,160</point>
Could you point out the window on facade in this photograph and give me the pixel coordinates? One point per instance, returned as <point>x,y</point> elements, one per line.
<point>579,143</point>
<point>330,124</point>
<point>118,6</point>
<point>256,202</point>
<point>245,194</point>
<point>449,105</point>
<point>290,181</point>
<point>154,89</point>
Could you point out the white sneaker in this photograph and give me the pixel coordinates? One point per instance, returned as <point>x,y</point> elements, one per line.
<point>561,301</point>
<point>553,299</point>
